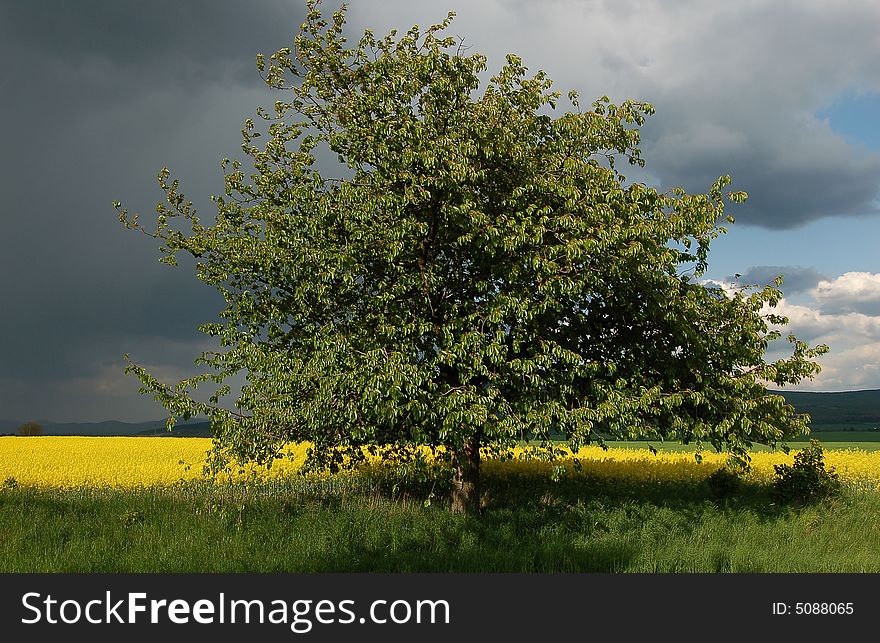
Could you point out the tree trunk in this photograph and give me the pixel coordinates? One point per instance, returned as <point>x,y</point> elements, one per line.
<point>466,479</point>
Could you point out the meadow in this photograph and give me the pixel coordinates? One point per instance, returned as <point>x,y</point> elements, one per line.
<point>142,505</point>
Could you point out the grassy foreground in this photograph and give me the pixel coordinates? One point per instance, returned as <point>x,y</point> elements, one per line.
<point>527,527</point>
<point>141,505</point>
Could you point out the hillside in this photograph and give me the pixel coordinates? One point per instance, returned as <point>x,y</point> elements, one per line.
<point>192,428</point>
<point>845,411</point>
<point>858,409</point>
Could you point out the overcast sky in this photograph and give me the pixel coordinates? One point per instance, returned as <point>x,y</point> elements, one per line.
<point>97,95</point>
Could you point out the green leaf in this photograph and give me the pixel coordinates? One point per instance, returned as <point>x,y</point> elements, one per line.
<point>481,274</point>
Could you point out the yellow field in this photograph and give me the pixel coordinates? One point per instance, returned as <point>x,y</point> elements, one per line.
<point>75,462</point>
<point>60,461</point>
<point>856,467</point>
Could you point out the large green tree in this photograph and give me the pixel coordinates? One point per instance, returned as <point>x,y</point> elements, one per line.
<point>476,273</point>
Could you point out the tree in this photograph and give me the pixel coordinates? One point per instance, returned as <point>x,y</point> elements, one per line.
<point>30,428</point>
<point>477,274</point>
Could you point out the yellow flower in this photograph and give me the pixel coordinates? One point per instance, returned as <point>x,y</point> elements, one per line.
<point>127,462</point>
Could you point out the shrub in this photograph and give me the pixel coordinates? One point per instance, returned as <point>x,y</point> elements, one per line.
<point>30,428</point>
<point>807,480</point>
<point>724,482</point>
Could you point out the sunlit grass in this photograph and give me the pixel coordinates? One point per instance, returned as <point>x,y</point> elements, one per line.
<point>569,526</point>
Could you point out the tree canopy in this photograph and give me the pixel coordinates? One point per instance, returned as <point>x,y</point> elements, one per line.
<point>419,256</point>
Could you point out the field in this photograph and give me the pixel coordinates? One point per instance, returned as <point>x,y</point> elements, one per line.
<point>831,439</point>
<point>141,505</point>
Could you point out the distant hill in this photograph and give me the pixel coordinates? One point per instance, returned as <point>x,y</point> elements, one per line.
<point>858,409</point>
<point>192,430</point>
<point>198,427</point>
<point>846,411</point>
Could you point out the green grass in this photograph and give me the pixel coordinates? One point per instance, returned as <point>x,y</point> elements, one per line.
<point>528,526</point>
<point>830,439</point>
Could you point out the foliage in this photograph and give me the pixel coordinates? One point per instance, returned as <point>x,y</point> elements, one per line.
<point>807,479</point>
<point>30,428</point>
<point>478,272</point>
<point>417,478</point>
<point>724,482</point>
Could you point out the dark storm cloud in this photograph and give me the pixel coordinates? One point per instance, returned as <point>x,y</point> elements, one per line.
<point>789,200</point>
<point>736,86</point>
<point>793,177</point>
<point>157,41</point>
<point>96,97</point>
<point>796,279</point>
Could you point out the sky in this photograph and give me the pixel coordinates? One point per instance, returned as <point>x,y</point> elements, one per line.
<point>96,96</point>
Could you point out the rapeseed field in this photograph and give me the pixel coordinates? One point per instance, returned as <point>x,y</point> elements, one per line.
<point>134,462</point>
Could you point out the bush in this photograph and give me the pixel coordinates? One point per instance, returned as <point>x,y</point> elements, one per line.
<point>807,480</point>
<point>30,428</point>
<point>724,482</point>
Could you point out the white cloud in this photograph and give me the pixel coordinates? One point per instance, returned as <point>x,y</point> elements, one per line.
<point>851,292</point>
<point>848,368</point>
<point>842,313</point>
<point>835,320</point>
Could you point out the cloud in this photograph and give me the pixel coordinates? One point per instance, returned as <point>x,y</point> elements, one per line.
<point>85,382</point>
<point>814,325</point>
<point>99,95</point>
<point>736,86</point>
<point>842,313</point>
<point>854,339</point>
<point>851,292</point>
<point>161,42</point>
<point>797,279</point>
<point>845,315</point>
